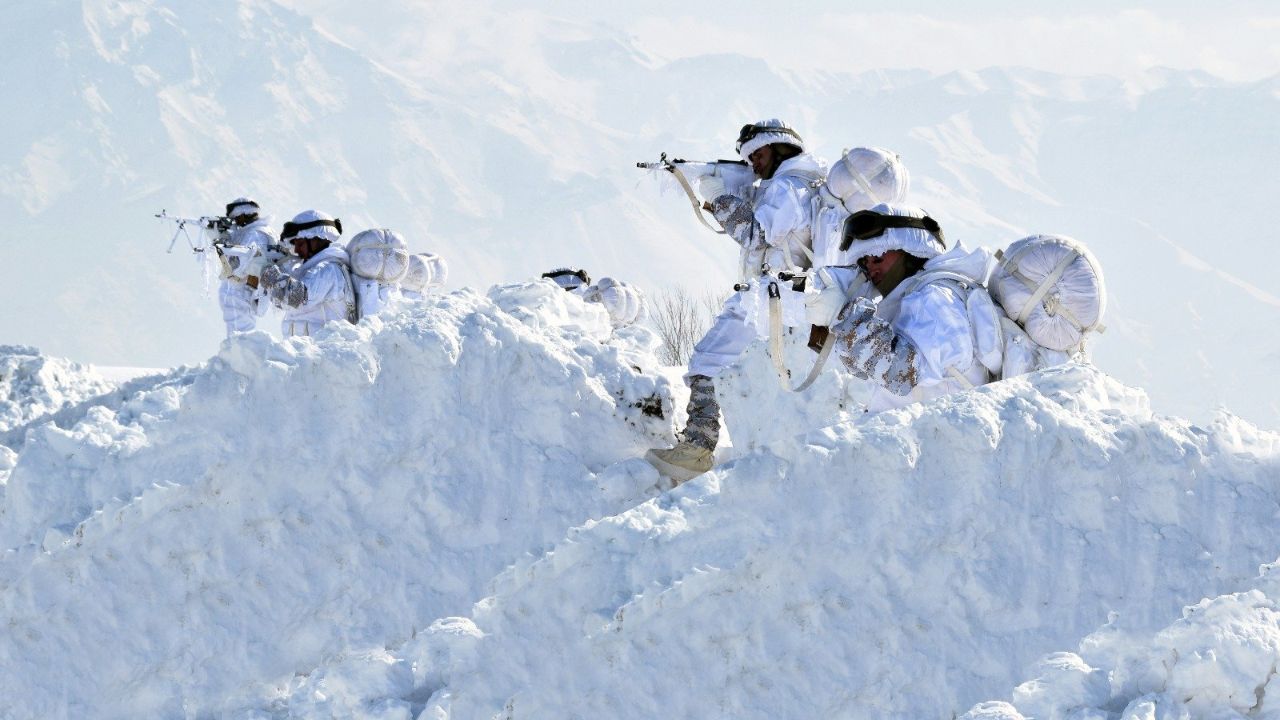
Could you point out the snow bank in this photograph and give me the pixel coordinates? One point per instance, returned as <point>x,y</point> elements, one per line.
<point>32,384</point>
<point>289,501</point>
<point>900,566</point>
<point>1218,661</point>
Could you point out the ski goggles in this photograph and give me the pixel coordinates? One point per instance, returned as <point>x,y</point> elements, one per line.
<point>292,229</point>
<point>867,224</point>
<point>750,132</point>
<point>563,275</point>
<point>231,207</point>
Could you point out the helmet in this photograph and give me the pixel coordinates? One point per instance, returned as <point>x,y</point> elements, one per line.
<point>380,255</point>
<point>568,278</point>
<point>870,233</point>
<point>868,176</point>
<point>241,206</point>
<point>766,132</point>
<point>312,224</point>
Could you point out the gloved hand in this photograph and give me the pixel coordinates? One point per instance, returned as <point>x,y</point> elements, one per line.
<point>270,276</point>
<point>821,308</point>
<point>711,186</point>
<point>624,303</point>
<point>256,265</point>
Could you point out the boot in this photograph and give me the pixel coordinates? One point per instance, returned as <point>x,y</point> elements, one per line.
<point>694,454</point>
<point>683,462</point>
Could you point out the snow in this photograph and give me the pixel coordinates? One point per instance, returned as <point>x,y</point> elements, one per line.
<point>290,500</point>
<point>440,513</point>
<point>32,384</point>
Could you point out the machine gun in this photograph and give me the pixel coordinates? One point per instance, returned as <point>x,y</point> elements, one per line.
<point>737,176</point>
<point>211,231</point>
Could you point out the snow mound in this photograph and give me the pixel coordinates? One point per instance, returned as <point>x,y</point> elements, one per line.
<point>905,565</point>
<point>186,550</point>
<point>1217,661</point>
<point>32,385</point>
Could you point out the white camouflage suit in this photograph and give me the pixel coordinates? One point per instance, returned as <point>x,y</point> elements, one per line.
<point>315,292</point>
<point>773,228</point>
<point>239,301</point>
<point>936,333</point>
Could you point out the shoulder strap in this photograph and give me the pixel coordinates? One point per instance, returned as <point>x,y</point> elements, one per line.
<point>349,290</point>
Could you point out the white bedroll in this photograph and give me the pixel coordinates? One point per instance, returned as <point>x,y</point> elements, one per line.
<point>1052,286</point>
<point>1053,293</point>
<point>379,254</point>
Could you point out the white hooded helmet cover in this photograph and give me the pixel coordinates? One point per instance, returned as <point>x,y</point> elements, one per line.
<point>323,226</point>
<point>766,132</point>
<point>379,254</point>
<point>241,206</point>
<point>866,177</point>
<point>913,241</point>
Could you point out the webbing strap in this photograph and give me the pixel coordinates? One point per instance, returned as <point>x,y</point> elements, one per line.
<point>1045,286</point>
<point>693,199</point>
<point>353,309</point>
<point>775,346</point>
<point>862,181</point>
<point>775,334</point>
<point>956,374</point>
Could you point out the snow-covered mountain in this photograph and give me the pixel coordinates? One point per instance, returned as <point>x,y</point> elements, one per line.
<point>506,141</point>
<point>441,514</point>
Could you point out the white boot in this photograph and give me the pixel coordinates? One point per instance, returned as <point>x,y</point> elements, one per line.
<point>682,462</point>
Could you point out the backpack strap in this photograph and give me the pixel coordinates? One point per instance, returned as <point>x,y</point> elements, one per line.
<point>1039,291</point>
<point>349,290</point>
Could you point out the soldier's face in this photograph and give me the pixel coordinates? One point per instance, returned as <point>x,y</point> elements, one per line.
<point>886,271</point>
<point>303,247</point>
<point>762,162</point>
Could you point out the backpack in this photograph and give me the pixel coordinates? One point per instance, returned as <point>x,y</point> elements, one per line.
<point>1052,294</point>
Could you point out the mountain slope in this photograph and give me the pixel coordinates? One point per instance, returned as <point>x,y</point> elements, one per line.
<point>512,151</point>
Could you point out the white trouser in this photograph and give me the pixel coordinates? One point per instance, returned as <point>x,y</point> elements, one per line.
<point>239,308</point>
<point>730,334</point>
<point>743,319</point>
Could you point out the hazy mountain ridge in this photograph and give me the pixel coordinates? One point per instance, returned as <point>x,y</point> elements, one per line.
<point>515,154</point>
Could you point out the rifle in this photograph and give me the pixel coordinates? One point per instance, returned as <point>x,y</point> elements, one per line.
<point>737,175</point>
<point>213,233</point>
<point>217,225</point>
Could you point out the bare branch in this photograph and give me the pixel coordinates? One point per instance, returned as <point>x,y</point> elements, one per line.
<point>681,318</point>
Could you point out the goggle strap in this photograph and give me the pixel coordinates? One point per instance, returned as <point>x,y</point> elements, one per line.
<point>234,205</point>
<point>752,131</point>
<point>291,230</point>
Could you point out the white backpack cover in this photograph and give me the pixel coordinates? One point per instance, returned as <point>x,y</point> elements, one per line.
<point>380,255</point>
<point>425,271</point>
<point>1052,287</point>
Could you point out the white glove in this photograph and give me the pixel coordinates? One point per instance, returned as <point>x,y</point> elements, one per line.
<point>821,308</point>
<point>711,186</point>
<point>624,303</point>
<point>256,265</point>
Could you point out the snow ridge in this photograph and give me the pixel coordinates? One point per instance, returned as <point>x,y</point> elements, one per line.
<point>372,523</point>
<point>296,499</point>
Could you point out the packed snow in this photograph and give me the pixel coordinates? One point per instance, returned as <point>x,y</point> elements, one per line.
<point>293,500</point>
<point>440,513</point>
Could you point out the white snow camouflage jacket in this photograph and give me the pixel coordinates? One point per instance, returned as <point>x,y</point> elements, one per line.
<point>315,292</point>
<point>774,224</point>
<point>937,333</point>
